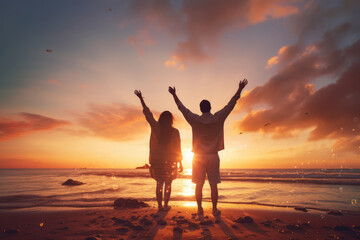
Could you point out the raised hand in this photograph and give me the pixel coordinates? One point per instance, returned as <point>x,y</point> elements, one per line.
<point>172,90</point>
<point>138,93</point>
<point>243,83</point>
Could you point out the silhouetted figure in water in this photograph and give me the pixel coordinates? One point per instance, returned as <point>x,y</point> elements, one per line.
<point>165,152</point>
<point>208,139</point>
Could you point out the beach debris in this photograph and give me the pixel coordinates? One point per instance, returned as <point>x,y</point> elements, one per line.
<point>133,217</point>
<point>206,222</point>
<point>283,231</point>
<point>334,212</point>
<point>137,228</point>
<point>267,223</point>
<point>123,230</point>
<point>12,231</point>
<point>182,221</point>
<point>129,203</point>
<point>178,229</point>
<point>71,182</point>
<point>343,228</point>
<point>123,222</point>
<point>162,222</point>
<point>96,237</point>
<point>301,209</point>
<point>293,227</point>
<point>193,225</point>
<point>145,221</point>
<point>245,219</point>
<point>48,50</point>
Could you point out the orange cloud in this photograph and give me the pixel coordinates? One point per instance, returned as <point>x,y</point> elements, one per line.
<point>118,122</point>
<point>10,128</point>
<point>140,40</point>
<point>54,82</point>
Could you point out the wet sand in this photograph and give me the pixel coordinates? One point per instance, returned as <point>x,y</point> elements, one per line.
<point>180,222</point>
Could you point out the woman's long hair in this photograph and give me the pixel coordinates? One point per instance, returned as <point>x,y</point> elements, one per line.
<point>165,124</point>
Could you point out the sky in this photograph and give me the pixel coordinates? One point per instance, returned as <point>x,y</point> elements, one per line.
<point>68,70</point>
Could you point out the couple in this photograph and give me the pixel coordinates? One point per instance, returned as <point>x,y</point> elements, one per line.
<point>208,139</point>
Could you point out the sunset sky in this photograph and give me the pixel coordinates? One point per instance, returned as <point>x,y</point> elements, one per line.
<point>68,70</point>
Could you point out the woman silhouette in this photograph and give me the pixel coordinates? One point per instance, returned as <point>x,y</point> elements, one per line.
<point>165,152</point>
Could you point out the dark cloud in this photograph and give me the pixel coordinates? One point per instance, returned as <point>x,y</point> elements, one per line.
<point>10,128</point>
<point>200,23</point>
<point>291,103</point>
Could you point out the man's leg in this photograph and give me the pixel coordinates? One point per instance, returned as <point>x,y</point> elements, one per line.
<point>214,195</point>
<point>198,194</point>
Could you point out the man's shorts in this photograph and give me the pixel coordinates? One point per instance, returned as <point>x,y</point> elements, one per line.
<point>206,164</point>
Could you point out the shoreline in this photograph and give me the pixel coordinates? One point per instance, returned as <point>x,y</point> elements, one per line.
<point>176,202</point>
<point>178,223</point>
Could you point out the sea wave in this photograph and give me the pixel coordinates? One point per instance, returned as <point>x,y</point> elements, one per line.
<point>332,177</point>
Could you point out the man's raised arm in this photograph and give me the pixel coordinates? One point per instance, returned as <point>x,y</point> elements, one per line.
<point>230,106</point>
<point>189,116</point>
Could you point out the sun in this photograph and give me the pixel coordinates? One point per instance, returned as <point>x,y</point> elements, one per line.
<point>187,157</point>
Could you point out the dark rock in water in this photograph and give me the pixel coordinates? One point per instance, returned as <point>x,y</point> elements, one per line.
<point>129,203</point>
<point>122,230</point>
<point>146,166</point>
<point>335,212</point>
<point>293,227</point>
<point>12,231</point>
<point>277,220</point>
<point>71,182</point>
<point>162,222</point>
<point>343,228</point>
<point>178,229</point>
<point>246,219</point>
<point>301,209</point>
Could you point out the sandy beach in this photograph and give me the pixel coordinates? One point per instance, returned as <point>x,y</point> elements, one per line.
<point>180,222</point>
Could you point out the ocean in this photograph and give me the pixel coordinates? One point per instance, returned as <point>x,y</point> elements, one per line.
<point>322,189</point>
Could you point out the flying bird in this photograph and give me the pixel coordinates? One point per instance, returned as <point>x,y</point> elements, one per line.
<point>306,113</point>
<point>109,9</point>
<point>266,124</point>
<point>48,50</point>
<point>240,133</point>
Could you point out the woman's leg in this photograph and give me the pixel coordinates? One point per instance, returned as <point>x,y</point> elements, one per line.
<point>159,190</point>
<point>167,193</point>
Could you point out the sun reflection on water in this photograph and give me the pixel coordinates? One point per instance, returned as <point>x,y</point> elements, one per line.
<point>188,188</point>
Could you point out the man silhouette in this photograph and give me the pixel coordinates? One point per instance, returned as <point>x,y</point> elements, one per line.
<point>208,139</point>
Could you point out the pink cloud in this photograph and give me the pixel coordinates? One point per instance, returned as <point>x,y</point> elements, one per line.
<point>10,128</point>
